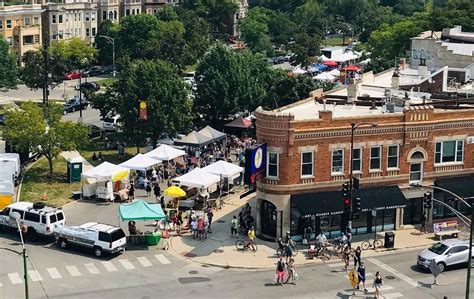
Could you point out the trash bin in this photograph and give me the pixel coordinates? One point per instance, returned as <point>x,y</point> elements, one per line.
<point>389,239</point>
<point>153,238</point>
<point>74,169</point>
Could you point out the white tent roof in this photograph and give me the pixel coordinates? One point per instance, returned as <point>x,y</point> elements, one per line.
<point>224,169</point>
<point>107,171</point>
<point>197,178</point>
<point>140,162</point>
<point>211,133</point>
<point>334,72</point>
<point>298,71</point>
<point>165,153</point>
<point>194,138</point>
<point>324,77</point>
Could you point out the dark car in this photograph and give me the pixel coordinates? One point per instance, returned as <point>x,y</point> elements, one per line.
<point>95,71</point>
<point>90,86</point>
<point>278,60</point>
<point>75,104</point>
<point>95,131</point>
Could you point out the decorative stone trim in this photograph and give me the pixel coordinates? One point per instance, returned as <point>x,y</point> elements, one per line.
<point>446,168</point>
<point>376,174</point>
<point>270,181</point>
<point>302,149</point>
<point>392,172</point>
<point>338,178</point>
<point>307,181</point>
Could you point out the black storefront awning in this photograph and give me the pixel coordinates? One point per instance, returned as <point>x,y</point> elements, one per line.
<point>330,202</point>
<point>461,186</point>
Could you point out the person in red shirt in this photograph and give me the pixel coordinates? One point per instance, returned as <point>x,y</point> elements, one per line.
<point>200,226</point>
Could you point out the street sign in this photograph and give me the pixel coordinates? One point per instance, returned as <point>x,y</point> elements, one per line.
<point>353,278</point>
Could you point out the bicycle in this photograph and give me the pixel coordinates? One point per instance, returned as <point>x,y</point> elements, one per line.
<point>281,251</point>
<point>323,253</point>
<point>246,244</point>
<point>338,245</point>
<point>375,244</point>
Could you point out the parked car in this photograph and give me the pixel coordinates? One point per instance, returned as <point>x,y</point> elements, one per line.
<point>39,219</point>
<point>95,71</point>
<point>288,56</point>
<point>72,75</point>
<point>95,132</point>
<point>111,123</point>
<point>445,253</point>
<point>96,236</point>
<point>278,60</point>
<point>75,104</point>
<point>90,86</point>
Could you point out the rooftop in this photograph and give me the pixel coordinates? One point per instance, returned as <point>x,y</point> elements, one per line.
<point>461,49</point>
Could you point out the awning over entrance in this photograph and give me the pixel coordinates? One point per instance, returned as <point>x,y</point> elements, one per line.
<point>461,186</point>
<point>330,202</point>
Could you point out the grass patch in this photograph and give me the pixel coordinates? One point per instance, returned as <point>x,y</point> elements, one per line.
<point>105,82</point>
<point>36,183</point>
<point>335,41</point>
<point>109,155</point>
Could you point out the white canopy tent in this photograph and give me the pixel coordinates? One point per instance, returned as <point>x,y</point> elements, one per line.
<point>165,153</point>
<point>107,172</point>
<point>197,178</point>
<point>224,169</point>
<point>298,71</point>
<point>334,72</point>
<point>212,133</point>
<point>324,77</point>
<point>140,162</point>
<point>194,139</point>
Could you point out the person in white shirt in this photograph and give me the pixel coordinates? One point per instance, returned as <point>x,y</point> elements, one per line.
<point>321,241</point>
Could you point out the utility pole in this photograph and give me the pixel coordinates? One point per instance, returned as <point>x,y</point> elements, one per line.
<point>15,218</point>
<point>469,258</point>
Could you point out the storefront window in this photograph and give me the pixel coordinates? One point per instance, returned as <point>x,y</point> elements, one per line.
<point>359,223</point>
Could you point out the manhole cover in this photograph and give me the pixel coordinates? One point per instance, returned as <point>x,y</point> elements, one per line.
<point>390,277</point>
<point>188,254</point>
<point>193,272</point>
<point>218,251</point>
<point>220,221</point>
<point>185,280</point>
<point>205,266</point>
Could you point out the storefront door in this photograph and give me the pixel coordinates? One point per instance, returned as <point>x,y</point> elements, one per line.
<point>269,219</point>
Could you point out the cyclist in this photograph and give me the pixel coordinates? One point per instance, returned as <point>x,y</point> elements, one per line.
<point>251,236</point>
<point>321,241</point>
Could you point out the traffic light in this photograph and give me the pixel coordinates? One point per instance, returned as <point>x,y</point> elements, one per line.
<point>355,183</point>
<point>357,205</point>
<point>427,200</point>
<point>345,190</point>
<point>345,197</point>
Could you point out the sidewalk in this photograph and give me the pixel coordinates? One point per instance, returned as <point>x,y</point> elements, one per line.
<point>219,249</point>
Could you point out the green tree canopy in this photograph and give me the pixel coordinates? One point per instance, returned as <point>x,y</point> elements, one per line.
<point>254,30</point>
<point>75,51</point>
<point>103,46</point>
<point>137,37</point>
<point>8,67</point>
<point>42,69</point>
<point>28,130</point>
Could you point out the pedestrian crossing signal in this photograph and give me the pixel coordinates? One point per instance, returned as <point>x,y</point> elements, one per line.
<point>427,199</point>
<point>357,205</point>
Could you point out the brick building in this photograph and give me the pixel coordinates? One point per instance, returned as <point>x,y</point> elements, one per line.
<point>308,159</point>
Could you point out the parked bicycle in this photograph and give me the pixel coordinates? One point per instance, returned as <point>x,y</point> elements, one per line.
<point>282,248</point>
<point>372,244</point>
<point>339,244</point>
<point>323,253</point>
<point>246,244</point>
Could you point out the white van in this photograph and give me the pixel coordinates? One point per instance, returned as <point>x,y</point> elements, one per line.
<point>112,123</point>
<point>12,158</point>
<point>97,236</point>
<point>39,219</point>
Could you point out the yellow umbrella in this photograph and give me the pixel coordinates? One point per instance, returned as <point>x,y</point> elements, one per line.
<point>174,191</point>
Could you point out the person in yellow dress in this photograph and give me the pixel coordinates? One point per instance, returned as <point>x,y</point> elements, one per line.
<point>251,236</point>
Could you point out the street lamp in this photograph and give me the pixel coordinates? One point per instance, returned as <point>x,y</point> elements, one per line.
<point>354,127</point>
<point>469,258</point>
<point>112,41</point>
<point>83,62</point>
<point>15,218</point>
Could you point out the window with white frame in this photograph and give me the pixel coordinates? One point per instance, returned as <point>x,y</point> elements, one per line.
<point>357,159</point>
<point>60,19</point>
<point>36,21</point>
<point>1,24</point>
<point>92,16</point>
<point>337,161</point>
<point>27,21</point>
<point>9,24</point>
<point>93,31</point>
<point>449,151</point>
<point>272,164</point>
<point>375,158</point>
<point>86,16</point>
<point>88,32</point>
<point>307,164</point>
<point>393,156</point>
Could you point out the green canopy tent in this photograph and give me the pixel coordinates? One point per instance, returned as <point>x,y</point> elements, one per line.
<point>141,210</point>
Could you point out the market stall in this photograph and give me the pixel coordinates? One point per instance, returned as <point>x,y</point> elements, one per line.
<point>203,181</point>
<point>140,162</point>
<point>194,139</point>
<point>101,179</point>
<point>212,133</point>
<point>227,171</point>
<point>165,153</point>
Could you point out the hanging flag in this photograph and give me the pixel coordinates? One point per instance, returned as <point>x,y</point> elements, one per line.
<point>143,114</point>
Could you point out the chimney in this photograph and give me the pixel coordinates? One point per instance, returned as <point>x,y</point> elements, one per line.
<point>325,114</point>
<point>352,89</point>
<point>396,79</point>
<point>422,68</point>
<point>402,63</point>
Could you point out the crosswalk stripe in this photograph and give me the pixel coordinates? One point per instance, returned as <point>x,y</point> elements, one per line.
<point>162,259</point>
<point>109,266</point>
<point>393,295</point>
<point>73,271</point>
<point>334,265</point>
<point>91,268</point>
<point>126,264</point>
<point>386,288</point>
<point>1,285</point>
<point>15,278</point>
<point>369,274</point>
<point>54,273</point>
<point>144,261</point>
<point>393,271</point>
<point>35,275</point>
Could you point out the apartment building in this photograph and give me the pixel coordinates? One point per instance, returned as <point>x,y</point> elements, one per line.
<point>308,159</point>
<point>131,7</point>
<point>20,25</point>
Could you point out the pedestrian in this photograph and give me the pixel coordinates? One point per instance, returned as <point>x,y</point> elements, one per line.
<point>99,157</point>
<point>291,270</point>
<point>361,276</point>
<point>205,229</point>
<point>148,190</point>
<point>131,193</point>
<point>174,219</point>
<point>423,224</point>
<point>200,227</point>
<point>121,151</point>
<point>280,271</point>
<point>357,256</point>
<point>346,256</point>
<point>179,222</point>
<point>194,228</point>
<point>154,176</point>
<point>94,157</point>
<point>242,229</point>
<point>157,190</point>
<point>209,218</point>
<point>234,224</point>
<point>378,282</point>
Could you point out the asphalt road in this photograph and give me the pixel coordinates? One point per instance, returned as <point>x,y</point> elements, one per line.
<point>89,116</point>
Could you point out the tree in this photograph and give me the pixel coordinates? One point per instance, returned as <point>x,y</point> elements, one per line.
<point>138,37</point>
<point>167,14</point>
<point>43,69</point>
<point>76,52</point>
<point>28,130</point>
<point>196,34</point>
<point>286,89</point>
<point>166,94</point>
<point>306,47</point>
<point>218,13</point>
<point>171,42</point>
<point>8,67</point>
<point>254,30</point>
<point>104,47</point>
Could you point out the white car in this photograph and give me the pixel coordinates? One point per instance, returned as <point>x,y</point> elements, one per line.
<point>446,253</point>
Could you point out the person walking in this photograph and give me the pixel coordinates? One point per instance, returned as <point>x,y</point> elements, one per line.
<point>291,270</point>
<point>154,176</point>
<point>200,227</point>
<point>148,190</point>
<point>378,282</point>
<point>423,224</point>
<point>361,276</point>
<point>157,190</point>
<point>234,225</point>
<point>357,256</point>
<point>194,228</point>
<point>280,271</point>
<point>209,218</point>
<point>346,256</point>
<point>131,193</point>
<point>179,222</point>
<point>251,236</point>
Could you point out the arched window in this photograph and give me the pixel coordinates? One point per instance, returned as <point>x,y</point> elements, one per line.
<point>111,15</point>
